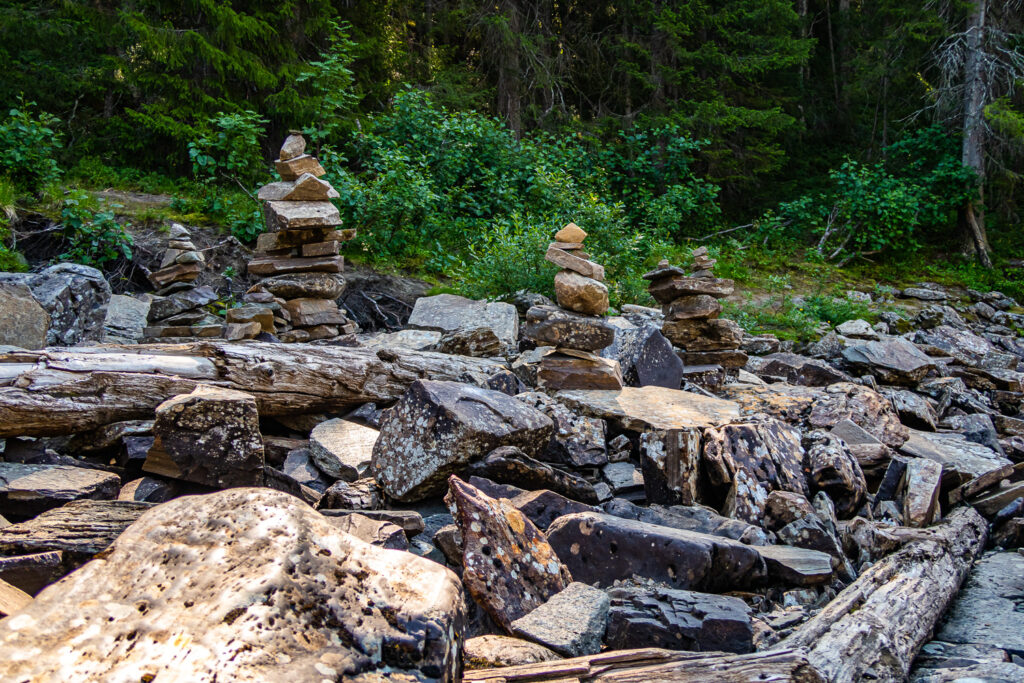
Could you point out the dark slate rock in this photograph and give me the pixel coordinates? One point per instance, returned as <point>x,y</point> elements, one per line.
<point>600,549</point>
<point>26,490</point>
<point>494,489</point>
<point>688,518</point>
<point>796,369</point>
<point>543,507</point>
<point>894,361</point>
<point>579,440</point>
<point>509,465</point>
<point>834,470</point>
<point>553,326</point>
<point>646,357</point>
<point>74,296</point>
<point>677,620</point>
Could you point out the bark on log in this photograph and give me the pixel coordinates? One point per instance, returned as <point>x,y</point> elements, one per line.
<point>65,391</point>
<point>654,666</point>
<point>875,627</point>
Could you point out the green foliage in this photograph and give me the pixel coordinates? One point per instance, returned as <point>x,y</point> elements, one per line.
<point>883,207</point>
<point>796,318</point>
<point>507,259</point>
<point>10,259</point>
<point>230,149</point>
<point>93,237</point>
<point>333,85</point>
<point>28,146</point>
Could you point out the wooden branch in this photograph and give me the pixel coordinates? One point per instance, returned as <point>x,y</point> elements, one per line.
<point>877,624</point>
<point>65,391</point>
<point>656,666</point>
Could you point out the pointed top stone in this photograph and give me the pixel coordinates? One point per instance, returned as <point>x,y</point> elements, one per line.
<point>700,251</point>
<point>178,231</point>
<point>294,145</point>
<point>570,233</point>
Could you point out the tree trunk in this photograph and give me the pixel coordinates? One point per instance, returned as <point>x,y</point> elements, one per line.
<point>975,91</point>
<point>57,391</point>
<point>877,624</point>
<point>657,666</point>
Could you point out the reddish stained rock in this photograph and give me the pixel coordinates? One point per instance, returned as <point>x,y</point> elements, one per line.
<point>509,567</point>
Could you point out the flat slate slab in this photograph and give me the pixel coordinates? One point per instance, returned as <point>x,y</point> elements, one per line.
<point>954,452</point>
<point>82,528</point>
<point>27,490</point>
<point>652,407</point>
<point>990,607</point>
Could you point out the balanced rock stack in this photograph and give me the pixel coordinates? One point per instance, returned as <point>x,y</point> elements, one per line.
<point>691,308</point>
<point>299,254</point>
<point>576,329</point>
<point>177,309</point>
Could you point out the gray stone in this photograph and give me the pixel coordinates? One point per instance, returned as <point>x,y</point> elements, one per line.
<point>509,465</point>
<point>478,342</point>
<point>437,428</point>
<point>343,449</point>
<point>987,609</point>
<point>378,532</point>
<point>126,319</point>
<point>914,410</point>
<point>79,529</point>
<point>299,465</point>
<point>486,652</point>
<point>447,312</point>
<point>857,329</point>
<point>147,490</point>
<point>161,308</point>
<point>553,326</point>
<point>923,294</point>
<point>662,617</point>
<point>834,470</point>
<point>74,296</point>
<point>646,357</point>
<point>572,622</point>
<point>961,459</point>
<point>894,361</point>
<point>160,602</point>
<point>362,494</point>
<point>964,346</point>
<point>796,369</point>
<point>26,322</point>
<point>689,518</point>
<point>26,490</point>
<point>623,477</point>
<point>579,440</point>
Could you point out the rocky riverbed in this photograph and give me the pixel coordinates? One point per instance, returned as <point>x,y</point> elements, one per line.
<point>497,492</point>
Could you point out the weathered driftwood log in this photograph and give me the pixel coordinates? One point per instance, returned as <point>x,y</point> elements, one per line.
<point>876,626</point>
<point>64,391</point>
<point>654,665</point>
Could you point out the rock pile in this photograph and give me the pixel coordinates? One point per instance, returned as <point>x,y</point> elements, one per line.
<point>575,331</point>
<point>177,310</point>
<point>299,256</point>
<point>691,308</point>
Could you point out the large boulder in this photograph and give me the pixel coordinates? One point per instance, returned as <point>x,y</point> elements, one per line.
<point>27,489</point>
<point>965,347</point>
<point>646,357</point>
<point>864,407</point>
<point>447,313</point>
<point>242,585</point>
<point>74,296</point>
<point>796,369</point>
<point>832,468</point>
<point>437,428</point>
<point>26,322</point>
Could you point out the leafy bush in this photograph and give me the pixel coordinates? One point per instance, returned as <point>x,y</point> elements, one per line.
<point>93,237</point>
<point>10,259</point>
<point>885,207</point>
<point>28,147</point>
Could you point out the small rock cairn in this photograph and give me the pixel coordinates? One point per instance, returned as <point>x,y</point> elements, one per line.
<point>176,309</point>
<point>575,329</point>
<point>298,255</point>
<point>691,308</point>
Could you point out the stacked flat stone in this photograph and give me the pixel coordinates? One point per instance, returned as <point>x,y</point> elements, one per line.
<point>691,308</point>
<point>298,255</point>
<point>575,329</point>
<point>177,310</point>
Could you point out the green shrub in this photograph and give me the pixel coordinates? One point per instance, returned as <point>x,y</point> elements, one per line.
<point>10,259</point>
<point>93,237</point>
<point>28,147</point>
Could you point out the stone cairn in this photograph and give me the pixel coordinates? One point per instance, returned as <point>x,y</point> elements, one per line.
<point>574,329</point>
<point>708,343</point>
<point>298,256</point>
<point>176,310</point>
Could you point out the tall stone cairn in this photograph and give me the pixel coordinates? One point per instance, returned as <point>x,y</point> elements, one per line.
<point>691,308</point>
<point>575,329</point>
<point>298,256</point>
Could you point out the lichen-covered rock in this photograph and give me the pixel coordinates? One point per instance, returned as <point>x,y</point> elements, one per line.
<point>579,440</point>
<point>834,470</point>
<point>508,565</point>
<point>509,465</point>
<point>437,428</point>
<point>893,361</point>
<point>571,623</point>
<point>553,326</point>
<point>864,407</point>
<point>752,460</point>
<point>211,436</point>
<point>241,585</point>
<point>74,296</point>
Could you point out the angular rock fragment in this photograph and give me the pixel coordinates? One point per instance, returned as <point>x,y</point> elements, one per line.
<point>437,428</point>
<point>295,585</point>
<point>378,532</point>
<point>27,490</point>
<point>790,566</point>
<point>864,407</point>
<point>544,507</point>
<point>677,620</point>
<point>646,358</point>
<point>551,326</point>
<point>671,465</point>
<point>572,622</point>
<point>343,449</point>
<point>447,312</point>
<point>652,407</point>
<point>834,470</point>
<point>476,342</point>
<point>211,436</point>
<point>895,361</point>
<point>570,369</point>
<point>31,573</point>
<point>581,294</point>
<point>509,465</point>
<point>80,529</point>
<point>146,490</point>
<point>579,440</point>
<point>797,369</point>
<point>923,482</point>
<point>689,518</point>
<point>362,494</point>
<point>12,599</point>
<point>509,567</point>
<point>306,188</point>
<point>567,260</point>
<point>484,652</point>
<point>600,549</point>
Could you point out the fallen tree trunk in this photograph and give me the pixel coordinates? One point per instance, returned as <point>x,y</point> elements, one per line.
<point>64,391</point>
<point>654,665</point>
<point>875,627</point>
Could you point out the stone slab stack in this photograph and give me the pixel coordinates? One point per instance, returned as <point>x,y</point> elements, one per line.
<point>574,330</point>
<point>298,255</point>
<point>692,308</point>
<point>177,310</point>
